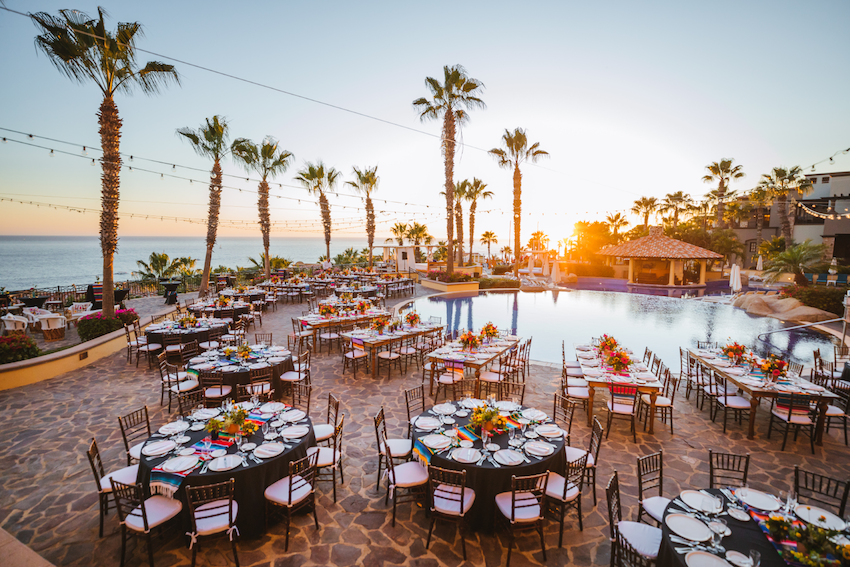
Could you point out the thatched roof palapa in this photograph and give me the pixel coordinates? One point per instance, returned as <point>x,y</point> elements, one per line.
<point>656,245</point>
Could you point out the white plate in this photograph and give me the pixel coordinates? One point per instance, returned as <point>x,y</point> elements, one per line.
<point>533,414</point>
<point>531,434</point>
<point>198,360</point>
<point>508,457</point>
<point>467,456</point>
<point>704,559</point>
<point>225,463</point>
<point>268,450</point>
<point>249,446</point>
<point>271,435</point>
<point>272,407</point>
<point>180,464</point>
<point>218,453</point>
<point>186,452</point>
<point>206,413</point>
<point>182,439</point>
<point>197,426</point>
<point>276,423</point>
<point>466,444</point>
<point>436,441</point>
<point>444,409</point>
<point>174,427</point>
<point>157,448</point>
<point>539,449</point>
<point>688,527</point>
<point>472,403</point>
<point>739,515</point>
<point>275,359</point>
<point>449,420</point>
<point>758,500</point>
<point>295,431</point>
<point>737,558</point>
<point>462,413</point>
<point>549,430</point>
<point>812,387</point>
<point>694,498</point>
<point>293,415</point>
<point>429,423</point>
<point>506,405</point>
<point>811,515</point>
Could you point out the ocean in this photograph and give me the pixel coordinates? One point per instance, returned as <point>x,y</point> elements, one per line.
<point>45,261</point>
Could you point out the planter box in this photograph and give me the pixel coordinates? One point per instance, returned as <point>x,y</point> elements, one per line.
<point>450,287</point>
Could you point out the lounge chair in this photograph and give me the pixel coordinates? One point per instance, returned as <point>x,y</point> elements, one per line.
<point>822,278</point>
<point>809,277</point>
<point>841,280</point>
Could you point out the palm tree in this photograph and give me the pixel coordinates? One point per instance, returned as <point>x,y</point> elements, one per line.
<point>210,140</point>
<point>318,180</point>
<point>399,231</point>
<point>450,100</point>
<point>644,207</point>
<point>723,173</point>
<point>701,209</point>
<point>84,50</point>
<point>488,238</point>
<point>516,151</point>
<point>506,252</point>
<point>267,160</point>
<point>366,183</point>
<point>159,265</point>
<point>536,240</point>
<point>460,195</point>
<point>417,233</point>
<point>476,190</point>
<point>736,212</point>
<point>275,262</point>
<point>615,222</point>
<point>760,200</point>
<point>780,183</point>
<point>794,260</point>
<point>675,202</point>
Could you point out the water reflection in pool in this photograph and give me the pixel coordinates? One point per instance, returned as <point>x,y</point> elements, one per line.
<point>637,321</point>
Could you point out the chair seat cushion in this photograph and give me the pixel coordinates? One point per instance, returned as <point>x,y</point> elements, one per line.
<point>159,510</point>
<point>576,382</point>
<point>408,474</point>
<point>524,514</point>
<point>136,450</point>
<point>660,401</point>
<point>185,386</point>
<point>713,390</point>
<point>572,364</point>
<point>329,336</point>
<point>644,538</point>
<point>211,518</point>
<point>150,347</point>
<point>655,506</point>
<point>176,377</point>
<point>490,376</point>
<point>173,348</point>
<point>444,503</point>
<point>574,453</point>
<point>388,355</point>
<point>323,431</point>
<point>356,354</point>
<point>260,388</point>
<point>834,411</point>
<point>796,418</point>
<point>290,376</point>
<point>555,488</point>
<point>398,447</point>
<point>218,392</point>
<point>734,402</point>
<point>127,475</point>
<point>407,350</point>
<point>209,345</point>
<point>626,409</point>
<point>575,372</point>
<point>279,491</point>
<point>577,392</point>
<point>327,457</point>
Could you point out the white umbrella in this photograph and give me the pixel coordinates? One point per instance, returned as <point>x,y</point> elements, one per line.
<point>545,266</point>
<point>556,273</point>
<point>531,264</point>
<point>760,265</point>
<point>735,279</point>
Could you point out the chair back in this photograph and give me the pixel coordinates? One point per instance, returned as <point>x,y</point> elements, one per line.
<point>790,405</point>
<point>260,375</point>
<point>170,339</point>
<point>380,426</point>
<point>187,402</point>
<point>95,462</point>
<point>656,364</point>
<point>727,469</point>
<point>211,501</point>
<point>705,345</point>
<point>623,394</point>
<point>595,440</point>
<point>575,475</point>
<point>333,409</point>
<point>647,356</point>
<point>829,492</point>
<point>615,512</point>
<point>448,486</point>
<point>508,390</point>
<point>301,394</point>
<point>650,473</point>
<point>414,399</point>
<point>467,386</point>
<point>302,474</point>
<point>563,412</point>
<point>795,368</point>
<point>303,366</point>
<point>188,352</point>
<point>531,490</point>
<point>129,501</point>
<point>263,338</point>
<point>135,425</point>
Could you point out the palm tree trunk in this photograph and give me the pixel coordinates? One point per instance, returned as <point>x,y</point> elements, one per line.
<point>782,209</point>
<point>759,226</point>
<point>721,206</point>
<point>326,222</point>
<point>449,156</point>
<point>110,138</point>
<point>370,227</point>
<point>212,225</point>
<point>517,214</point>
<point>646,219</point>
<point>265,222</point>
<point>459,222</point>
<point>472,207</point>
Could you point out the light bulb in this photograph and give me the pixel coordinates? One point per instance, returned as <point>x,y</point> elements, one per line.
<point>51,153</point>
<point>92,162</point>
<point>84,151</point>
<point>831,161</point>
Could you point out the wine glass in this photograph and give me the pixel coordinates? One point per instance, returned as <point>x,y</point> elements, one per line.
<point>718,529</point>
<point>207,444</point>
<point>239,441</point>
<point>791,502</point>
<point>265,428</point>
<point>755,558</point>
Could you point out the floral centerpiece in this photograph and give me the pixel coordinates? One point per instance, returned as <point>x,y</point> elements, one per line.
<point>469,340</point>
<point>814,545</point>
<point>618,360</point>
<point>241,289</point>
<point>229,351</point>
<point>488,418</point>
<point>362,306</point>
<point>187,322</point>
<point>735,351</point>
<point>229,422</point>
<point>489,331</point>
<point>774,367</point>
<point>379,324</point>
<point>275,279</point>
<point>243,352</point>
<point>327,310</point>
<point>346,297</point>
<point>412,318</point>
<point>223,301</point>
<point>608,343</point>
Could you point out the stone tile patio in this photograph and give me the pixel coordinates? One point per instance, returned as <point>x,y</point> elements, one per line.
<point>48,499</point>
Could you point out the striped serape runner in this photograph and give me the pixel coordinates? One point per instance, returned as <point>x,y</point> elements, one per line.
<point>167,483</point>
<point>783,546</point>
<point>421,452</point>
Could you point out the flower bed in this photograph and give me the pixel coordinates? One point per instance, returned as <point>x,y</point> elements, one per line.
<point>17,347</point>
<point>826,298</point>
<point>97,324</point>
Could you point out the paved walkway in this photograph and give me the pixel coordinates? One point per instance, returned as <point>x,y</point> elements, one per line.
<point>48,499</point>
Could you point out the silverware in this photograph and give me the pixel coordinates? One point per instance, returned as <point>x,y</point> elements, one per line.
<point>493,462</point>
<point>204,468</point>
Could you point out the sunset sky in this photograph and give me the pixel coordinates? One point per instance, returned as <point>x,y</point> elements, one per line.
<point>630,99</point>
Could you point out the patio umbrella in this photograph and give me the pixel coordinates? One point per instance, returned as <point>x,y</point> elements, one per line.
<point>760,265</point>
<point>556,273</point>
<point>735,279</point>
<point>545,266</point>
<point>531,265</point>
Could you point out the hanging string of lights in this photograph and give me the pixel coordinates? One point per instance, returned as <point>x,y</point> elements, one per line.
<point>830,159</point>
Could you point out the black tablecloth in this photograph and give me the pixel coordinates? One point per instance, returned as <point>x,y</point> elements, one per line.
<point>35,301</point>
<point>200,334</point>
<point>216,311</point>
<point>745,536</point>
<point>243,376</point>
<point>251,482</point>
<point>487,481</point>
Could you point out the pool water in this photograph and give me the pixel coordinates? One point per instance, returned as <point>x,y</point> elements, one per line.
<point>637,321</point>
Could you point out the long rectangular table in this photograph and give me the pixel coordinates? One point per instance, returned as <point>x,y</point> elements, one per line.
<point>373,341</point>
<point>477,362</point>
<point>757,393</point>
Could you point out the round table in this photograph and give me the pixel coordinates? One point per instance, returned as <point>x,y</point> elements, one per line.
<point>486,480</point>
<point>241,374</point>
<point>745,536</point>
<point>251,481</point>
<point>201,309</point>
<point>35,301</point>
<point>200,334</point>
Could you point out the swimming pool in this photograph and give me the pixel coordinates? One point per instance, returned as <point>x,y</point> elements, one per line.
<point>637,321</point>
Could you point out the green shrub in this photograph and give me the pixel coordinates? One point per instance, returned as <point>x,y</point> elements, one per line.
<point>489,283</point>
<point>500,269</point>
<point>454,277</point>
<point>17,347</point>
<point>826,298</point>
<point>96,325</point>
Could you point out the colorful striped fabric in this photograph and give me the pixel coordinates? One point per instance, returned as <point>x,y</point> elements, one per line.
<point>421,452</point>
<point>97,289</point>
<point>167,483</point>
<point>467,432</point>
<point>623,394</point>
<point>781,546</point>
<point>214,446</point>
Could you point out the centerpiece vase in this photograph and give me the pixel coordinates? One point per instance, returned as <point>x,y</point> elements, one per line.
<point>233,429</point>
<point>214,435</point>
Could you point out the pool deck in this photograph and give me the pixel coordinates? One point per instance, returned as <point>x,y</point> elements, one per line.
<point>48,500</point>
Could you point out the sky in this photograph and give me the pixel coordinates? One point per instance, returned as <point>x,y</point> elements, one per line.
<point>629,99</point>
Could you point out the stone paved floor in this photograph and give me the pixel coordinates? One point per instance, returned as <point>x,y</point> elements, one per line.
<point>47,497</point>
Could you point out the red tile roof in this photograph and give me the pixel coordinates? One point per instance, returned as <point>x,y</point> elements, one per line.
<point>656,245</point>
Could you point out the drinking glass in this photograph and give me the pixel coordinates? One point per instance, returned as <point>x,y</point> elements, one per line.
<point>718,529</point>
<point>266,428</point>
<point>791,503</point>
<point>239,443</point>
<point>207,443</point>
<point>755,558</point>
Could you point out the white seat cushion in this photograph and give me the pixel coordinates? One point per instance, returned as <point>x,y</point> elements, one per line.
<point>279,492</point>
<point>576,382</point>
<point>524,514</point>
<point>150,347</point>
<point>159,510</point>
<point>660,401</point>
<point>175,377</point>
<point>185,386</point>
<point>645,539</point>
<point>356,354</point>
<point>625,409</point>
<point>555,488</point>
<point>290,376</point>
<point>326,456</point>
<point>834,411</point>
<point>209,345</point>
<point>734,402</point>
<point>127,475</point>
<point>490,376</point>
<point>713,390</point>
<point>578,392</point>
<point>173,348</point>
<point>398,447</point>
<point>450,507</point>
<point>136,450</point>
<point>572,364</point>
<point>655,506</point>
<point>209,522</point>
<point>406,350</point>
<point>408,474</point>
<point>387,355</point>
<point>575,372</point>
<point>217,392</point>
<point>323,431</point>
<point>798,419</point>
<point>329,336</point>
<point>260,388</point>
<point>574,454</point>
